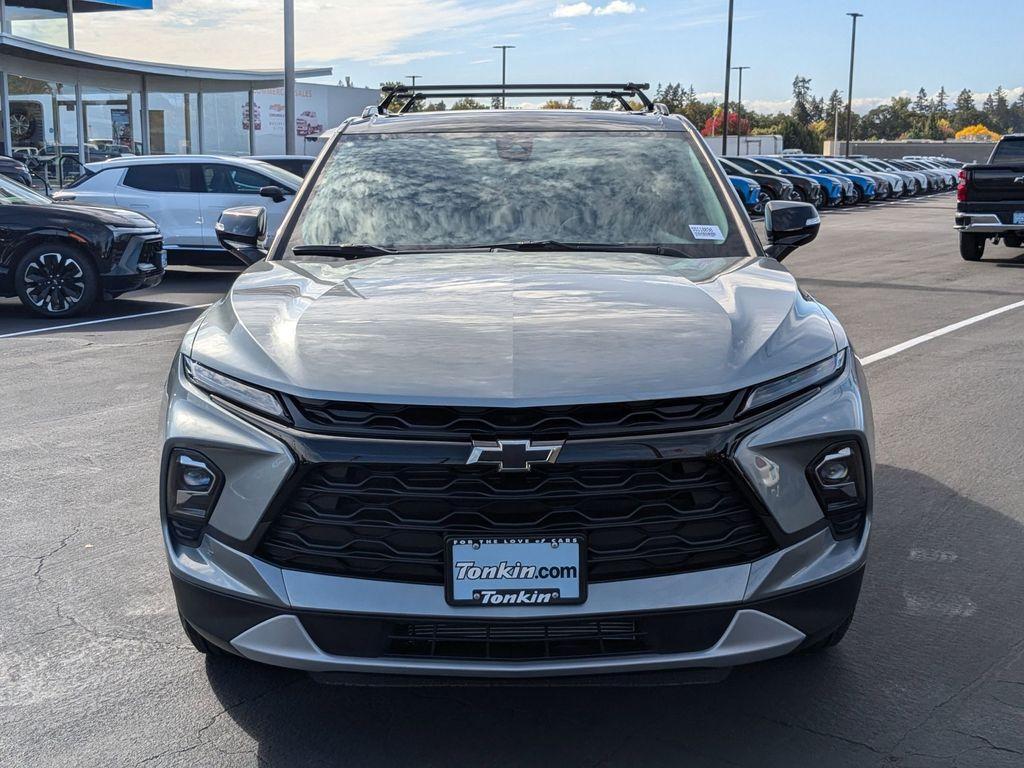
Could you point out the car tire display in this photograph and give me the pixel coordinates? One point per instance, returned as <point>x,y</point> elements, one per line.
<point>56,280</point>
<point>972,246</point>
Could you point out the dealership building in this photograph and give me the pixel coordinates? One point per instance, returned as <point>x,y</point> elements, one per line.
<point>62,106</point>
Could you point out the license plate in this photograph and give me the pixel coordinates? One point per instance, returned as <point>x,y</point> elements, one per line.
<point>515,570</point>
<point>1018,217</point>
<point>163,259</point>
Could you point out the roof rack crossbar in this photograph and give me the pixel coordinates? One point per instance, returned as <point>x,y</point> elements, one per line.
<point>619,96</point>
<point>619,92</point>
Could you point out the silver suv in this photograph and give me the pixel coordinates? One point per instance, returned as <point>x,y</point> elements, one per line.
<point>516,393</point>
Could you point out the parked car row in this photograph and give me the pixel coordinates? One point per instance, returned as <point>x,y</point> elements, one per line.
<point>834,181</point>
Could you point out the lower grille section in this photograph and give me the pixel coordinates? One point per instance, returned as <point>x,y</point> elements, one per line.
<point>390,522</point>
<point>520,640</point>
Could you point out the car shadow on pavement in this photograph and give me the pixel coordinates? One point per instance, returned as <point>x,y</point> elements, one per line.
<point>931,673</point>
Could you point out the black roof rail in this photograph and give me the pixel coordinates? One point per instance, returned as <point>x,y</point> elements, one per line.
<point>618,91</point>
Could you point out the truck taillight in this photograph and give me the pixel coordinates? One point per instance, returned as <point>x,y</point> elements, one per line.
<point>961,187</point>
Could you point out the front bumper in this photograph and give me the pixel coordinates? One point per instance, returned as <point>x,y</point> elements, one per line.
<point>694,638</point>
<point>267,613</point>
<point>140,264</point>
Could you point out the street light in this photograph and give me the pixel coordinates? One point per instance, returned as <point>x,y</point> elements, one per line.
<point>849,91</point>
<point>728,71</point>
<point>289,78</point>
<point>504,50</point>
<point>739,107</point>
<point>414,78</point>
<point>835,135</point>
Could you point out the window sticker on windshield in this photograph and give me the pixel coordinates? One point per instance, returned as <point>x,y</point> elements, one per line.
<point>706,232</point>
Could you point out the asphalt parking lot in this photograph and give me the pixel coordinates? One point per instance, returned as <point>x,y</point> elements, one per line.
<point>94,669</point>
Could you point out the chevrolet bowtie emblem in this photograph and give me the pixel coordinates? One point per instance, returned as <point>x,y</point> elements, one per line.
<point>514,455</point>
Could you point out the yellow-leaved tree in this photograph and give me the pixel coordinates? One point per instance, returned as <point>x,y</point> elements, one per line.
<point>977,132</point>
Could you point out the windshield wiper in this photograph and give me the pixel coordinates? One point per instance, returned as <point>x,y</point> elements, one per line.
<point>558,245</point>
<point>343,251</point>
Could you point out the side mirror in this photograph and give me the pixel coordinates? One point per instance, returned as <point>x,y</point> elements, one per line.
<point>274,192</point>
<point>241,230</point>
<point>789,225</point>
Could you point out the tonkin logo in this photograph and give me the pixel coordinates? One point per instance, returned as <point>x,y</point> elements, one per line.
<point>514,455</point>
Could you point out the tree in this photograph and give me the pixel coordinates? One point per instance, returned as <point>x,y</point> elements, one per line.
<point>468,102</point>
<point>599,103</point>
<point>921,104</point>
<point>978,132</point>
<point>737,125</point>
<point>801,110</point>
<point>556,104</point>
<point>1000,117</point>
<point>436,106</point>
<point>964,111</point>
<point>833,107</point>
<point>941,108</point>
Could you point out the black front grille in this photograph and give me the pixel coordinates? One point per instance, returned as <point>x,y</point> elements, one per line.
<point>385,521</point>
<point>447,422</point>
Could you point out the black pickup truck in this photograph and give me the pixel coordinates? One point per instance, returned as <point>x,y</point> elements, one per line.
<point>990,199</point>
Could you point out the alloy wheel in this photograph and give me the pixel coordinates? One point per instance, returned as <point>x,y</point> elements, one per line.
<point>54,282</point>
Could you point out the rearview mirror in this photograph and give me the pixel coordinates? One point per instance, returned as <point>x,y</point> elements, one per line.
<point>788,225</point>
<point>274,192</point>
<point>241,231</point>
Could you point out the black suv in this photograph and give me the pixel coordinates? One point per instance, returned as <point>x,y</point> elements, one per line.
<point>61,259</point>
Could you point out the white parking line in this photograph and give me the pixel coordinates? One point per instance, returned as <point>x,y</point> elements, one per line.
<point>101,320</point>
<point>935,334</point>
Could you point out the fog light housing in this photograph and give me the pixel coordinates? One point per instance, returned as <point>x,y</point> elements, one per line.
<point>193,484</point>
<point>839,480</point>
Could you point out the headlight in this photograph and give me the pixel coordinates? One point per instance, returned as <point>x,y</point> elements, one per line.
<point>231,389</point>
<point>798,381</point>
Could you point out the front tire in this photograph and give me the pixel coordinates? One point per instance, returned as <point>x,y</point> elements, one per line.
<point>56,280</point>
<point>972,246</point>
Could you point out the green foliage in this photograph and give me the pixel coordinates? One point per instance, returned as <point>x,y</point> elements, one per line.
<point>468,103</point>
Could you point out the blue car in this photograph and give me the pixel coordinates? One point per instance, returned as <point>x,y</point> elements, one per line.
<point>750,192</point>
<point>867,188</point>
<point>831,186</point>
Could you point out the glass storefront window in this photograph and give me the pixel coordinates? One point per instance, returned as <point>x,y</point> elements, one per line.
<point>113,123</point>
<point>44,127</point>
<point>25,18</point>
<point>226,123</point>
<point>173,123</point>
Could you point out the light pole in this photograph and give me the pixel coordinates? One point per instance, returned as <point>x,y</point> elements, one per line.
<point>739,107</point>
<point>414,78</point>
<point>504,50</point>
<point>728,71</point>
<point>289,77</point>
<point>835,135</point>
<point>849,91</point>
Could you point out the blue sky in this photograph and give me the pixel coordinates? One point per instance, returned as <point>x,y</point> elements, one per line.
<point>901,44</point>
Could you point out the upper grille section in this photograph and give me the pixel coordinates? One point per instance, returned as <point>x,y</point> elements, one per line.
<point>390,521</point>
<point>447,422</point>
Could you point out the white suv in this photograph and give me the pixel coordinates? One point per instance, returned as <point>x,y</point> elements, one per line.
<point>185,194</point>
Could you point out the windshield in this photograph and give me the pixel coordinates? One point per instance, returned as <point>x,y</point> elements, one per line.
<point>422,191</point>
<point>778,165</point>
<point>803,166</point>
<point>13,193</point>
<point>279,175</point>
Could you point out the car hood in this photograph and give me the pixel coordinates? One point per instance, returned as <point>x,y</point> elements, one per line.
<point>115,217</point>
<point>512,328</point>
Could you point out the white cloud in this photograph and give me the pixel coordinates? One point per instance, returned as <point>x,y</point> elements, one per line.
<point>615,6</point>
<point>391,59</point>
<point>571,10</point>
<point>248,33</point>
